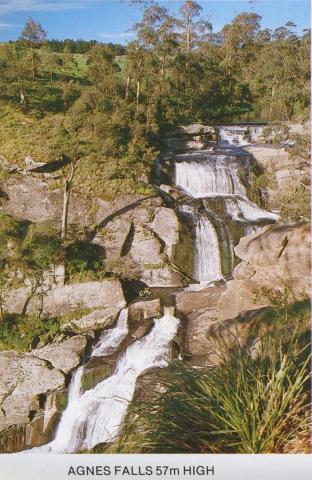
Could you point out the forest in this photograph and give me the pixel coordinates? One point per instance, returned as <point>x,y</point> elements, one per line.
<point>116,101</point>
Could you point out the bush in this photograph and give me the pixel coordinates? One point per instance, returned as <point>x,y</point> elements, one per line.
<point>22,333</point>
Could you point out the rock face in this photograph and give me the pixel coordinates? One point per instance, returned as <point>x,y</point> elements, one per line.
<point>285,171</point>
<point>30,198</point>
<point>141,242</point>
<point>276,257</point>
<point>65,356</point>
<point>25,384</point>
<point>60,300</point>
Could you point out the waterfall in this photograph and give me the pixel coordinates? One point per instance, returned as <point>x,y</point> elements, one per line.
<point>216,177</point>
<point>96,416</point>
<point>207,253</point>
<point>210,175</point>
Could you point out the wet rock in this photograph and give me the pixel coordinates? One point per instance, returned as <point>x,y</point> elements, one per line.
<point>144,329</point>
<point>98,369</point>
<point>65,355</point>
<point>140,311</point>
<point>55,404</point>
<point>97,320</point>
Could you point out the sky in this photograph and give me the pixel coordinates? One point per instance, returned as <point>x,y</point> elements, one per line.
<point>111,20</point>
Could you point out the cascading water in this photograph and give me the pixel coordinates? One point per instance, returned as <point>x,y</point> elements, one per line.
<point>241,209</point>
<point>111,339</point>
<point>204,174</point>
<point>215,177</point>
<point>96,415</point>
<point>207,253</point>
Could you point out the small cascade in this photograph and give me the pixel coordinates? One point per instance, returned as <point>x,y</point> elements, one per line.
<point>111,339</point>
<point>234,135</point>
<point>241,209</point>
<point>207,253</point>
<point>96,416</point>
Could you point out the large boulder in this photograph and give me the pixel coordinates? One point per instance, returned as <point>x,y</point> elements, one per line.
<point>57,301</point>
<point>276,257</point>
<point>167,226</point>
<point>64,355</point>
<point>141,311</point>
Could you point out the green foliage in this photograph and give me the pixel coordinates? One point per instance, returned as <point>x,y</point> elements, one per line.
<point>84,261</point>
<point>41,247</point>
<point>242,406</point>
<point>22,333</point>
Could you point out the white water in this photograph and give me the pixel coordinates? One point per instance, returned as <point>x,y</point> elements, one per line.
<point>207,253</point>
<point>213,175</point>
<point>241,209</point>
<point>234,135</point>
<point>111,339</point>
<point>96,415</point>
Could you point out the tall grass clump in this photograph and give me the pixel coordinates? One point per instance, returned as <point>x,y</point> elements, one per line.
<point>244,405</point>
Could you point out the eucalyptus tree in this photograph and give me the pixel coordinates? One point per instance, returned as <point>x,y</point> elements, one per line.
<point>34,35</point>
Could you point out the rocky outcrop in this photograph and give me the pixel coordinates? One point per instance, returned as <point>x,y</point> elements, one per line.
<point>190,137</point>
<point>283,171</point>
<point>140,243</point>
<point>25,385</point>
<point>60,300</point>
<point>97,320</point>
<point>66,355</point>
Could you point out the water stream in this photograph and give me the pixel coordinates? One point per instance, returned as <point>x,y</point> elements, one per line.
<point>96,415</point>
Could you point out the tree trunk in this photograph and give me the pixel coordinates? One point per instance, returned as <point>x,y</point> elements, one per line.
<point>138,93</point>
<point>128,86</point>
<point>32,60</point>
<point>66,196</point>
